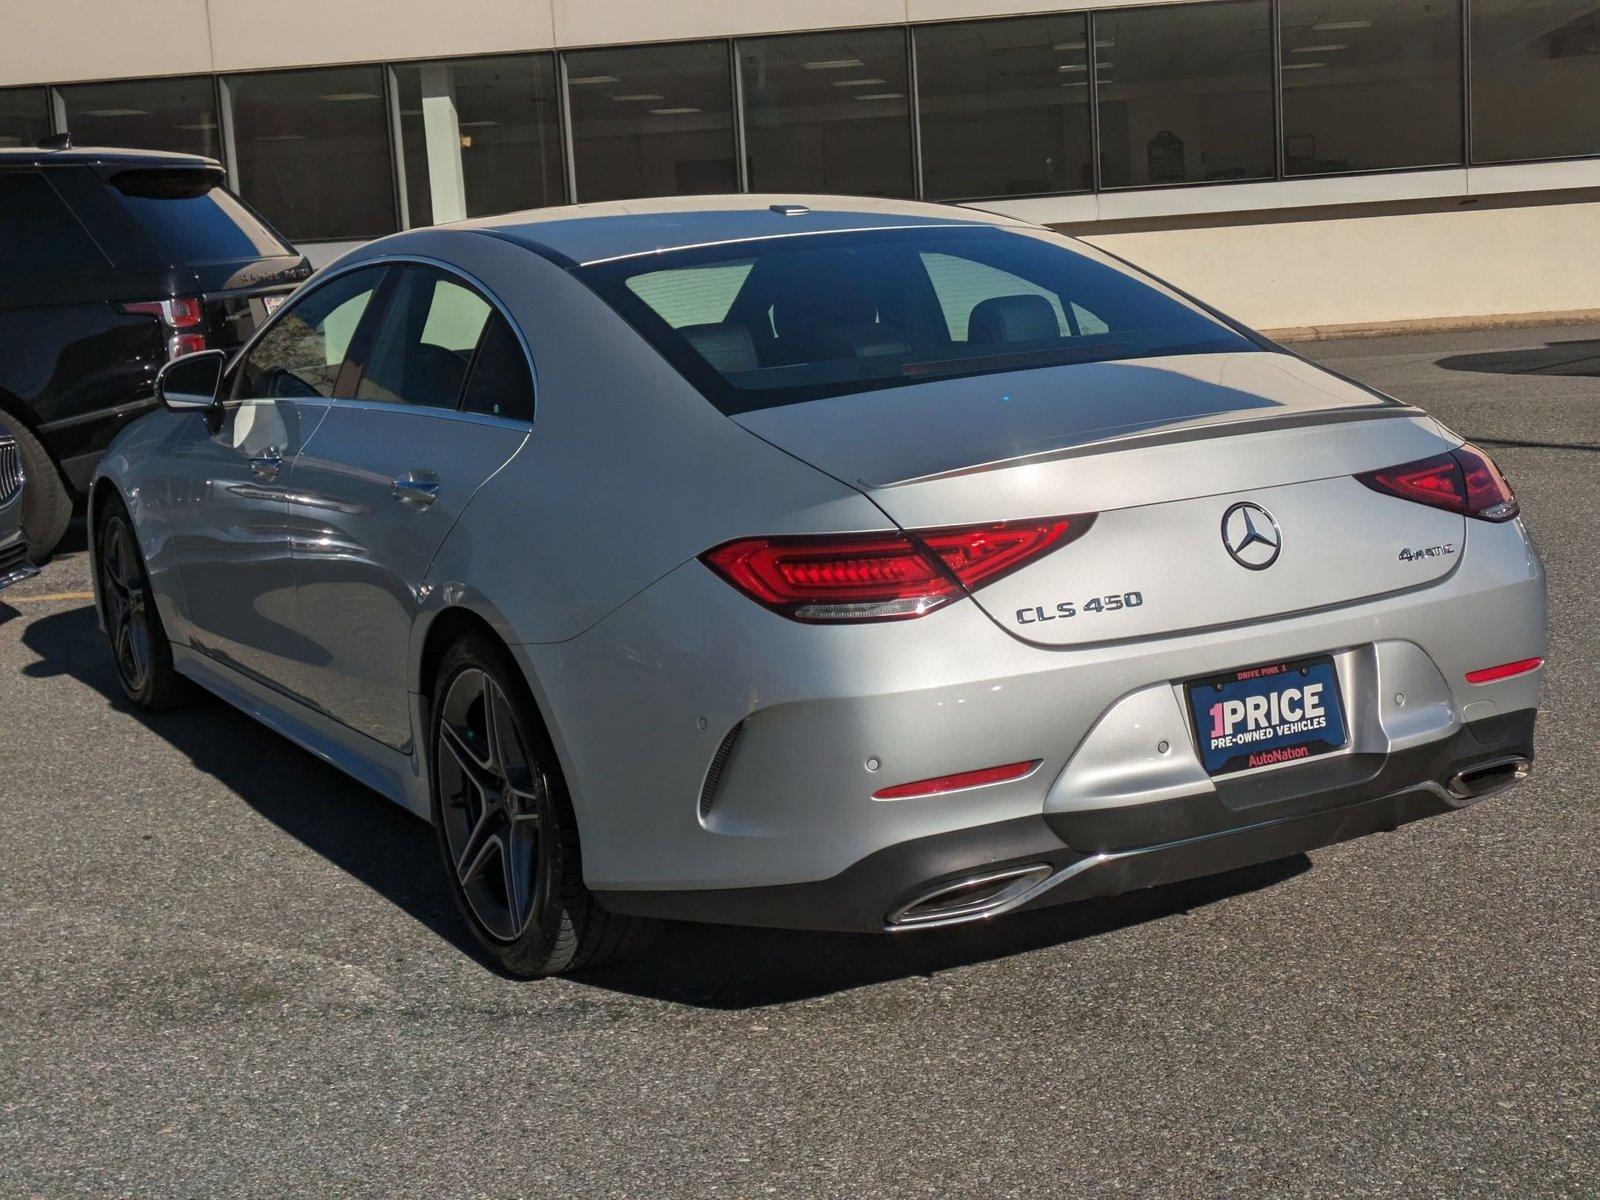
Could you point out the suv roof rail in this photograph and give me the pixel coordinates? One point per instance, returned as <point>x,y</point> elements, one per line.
<point>56,141</point>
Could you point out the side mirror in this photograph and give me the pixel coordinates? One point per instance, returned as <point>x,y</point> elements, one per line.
<point>191,382</point>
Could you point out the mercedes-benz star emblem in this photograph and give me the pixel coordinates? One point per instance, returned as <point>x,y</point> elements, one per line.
<point>1251,536</point>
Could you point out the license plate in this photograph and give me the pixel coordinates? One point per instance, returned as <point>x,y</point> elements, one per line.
<point>272,303</point>
<point>1266,715</point>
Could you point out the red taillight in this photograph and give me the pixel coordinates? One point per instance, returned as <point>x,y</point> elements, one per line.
<point>1464,481</point>
<point>185,312</point>
<point>1489,496</point>
<point>1505,670</point>
<point>177,314</point>
<point>884,576</point>
<point>954,783</point>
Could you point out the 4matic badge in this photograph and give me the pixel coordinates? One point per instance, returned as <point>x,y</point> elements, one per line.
<point>1422,552</point>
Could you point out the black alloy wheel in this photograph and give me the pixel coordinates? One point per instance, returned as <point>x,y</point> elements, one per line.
<point>506,829</point>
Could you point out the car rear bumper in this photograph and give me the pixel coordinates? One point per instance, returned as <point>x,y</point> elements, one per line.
<point>1055,858</point>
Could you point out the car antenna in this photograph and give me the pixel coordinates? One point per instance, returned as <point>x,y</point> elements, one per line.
<point>56,141</point>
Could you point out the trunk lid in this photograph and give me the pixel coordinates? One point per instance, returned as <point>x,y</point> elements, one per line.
<point>1165,450</point>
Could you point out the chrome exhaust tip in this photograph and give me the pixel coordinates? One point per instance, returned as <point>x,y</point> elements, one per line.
<point>1483,779</point>
<point>969,899</point>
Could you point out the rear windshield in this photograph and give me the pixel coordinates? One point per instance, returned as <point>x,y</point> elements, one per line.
<point>757,324</point>
<point>197,218</point>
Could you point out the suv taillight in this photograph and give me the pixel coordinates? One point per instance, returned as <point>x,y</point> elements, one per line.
<point>1464,481</point>
<point>180,318</point>
<point>884,576</point>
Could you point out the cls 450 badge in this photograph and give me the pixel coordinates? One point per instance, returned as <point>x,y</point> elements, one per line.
<point>1071,608</point>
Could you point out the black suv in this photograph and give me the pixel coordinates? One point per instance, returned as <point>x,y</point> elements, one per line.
<point>111,263</point>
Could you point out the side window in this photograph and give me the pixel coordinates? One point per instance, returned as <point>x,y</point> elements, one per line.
<point>500,384</point>
<point>38,232</point>
<point>964,286</point>
<point>425,342</point>
<point>304,351</point>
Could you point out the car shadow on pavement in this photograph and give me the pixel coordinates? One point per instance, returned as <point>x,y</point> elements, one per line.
<point>1578,357</point>
<point>707,966</point>
<point>726,967</point>
<point>355,829</point>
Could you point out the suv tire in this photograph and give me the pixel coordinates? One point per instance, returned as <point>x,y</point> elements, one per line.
<point>46,502</point>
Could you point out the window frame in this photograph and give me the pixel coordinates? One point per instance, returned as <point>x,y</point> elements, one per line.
<point>361,340</point>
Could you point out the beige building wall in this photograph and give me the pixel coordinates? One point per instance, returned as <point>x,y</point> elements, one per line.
<point>1311,269</point>
<point>58,41</point>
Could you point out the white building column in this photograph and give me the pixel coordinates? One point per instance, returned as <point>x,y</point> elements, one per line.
<point>441,131</point>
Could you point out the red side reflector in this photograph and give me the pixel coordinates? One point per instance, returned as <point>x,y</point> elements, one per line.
<point>1505,670</point>
<point>884,576</point>
<point>954,783</point>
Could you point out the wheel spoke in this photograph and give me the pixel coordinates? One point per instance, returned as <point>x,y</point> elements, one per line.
<point>521,872</point>
<point>127,559</point>
<point>476,773</point>
<point>491,727</point>
<point>121,646</point>
<point>114,605</point>
<point>470,871</point>
<point>523,796</point>
<point>139,642</point>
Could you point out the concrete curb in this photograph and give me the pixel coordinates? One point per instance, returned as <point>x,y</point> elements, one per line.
<point>1323,333</point>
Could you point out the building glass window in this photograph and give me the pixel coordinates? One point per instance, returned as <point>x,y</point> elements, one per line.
<point>1370,85</point>
<point>828,113</point>
<point>1185,94</point>
<point>1535,79</point>
<point>24,116</point>
<point>651,120</point>
<point>479,136</point>
<point>312,151</point>
<point>1004,107</point>
<point>146,114</point>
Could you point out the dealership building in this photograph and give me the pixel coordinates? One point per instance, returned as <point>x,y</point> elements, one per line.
<point>1295,162</point>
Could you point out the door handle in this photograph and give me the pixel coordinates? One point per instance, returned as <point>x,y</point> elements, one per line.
<point>267,464</point>
<point>416,489</point>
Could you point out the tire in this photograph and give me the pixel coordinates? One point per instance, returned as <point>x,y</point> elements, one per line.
<point>46,500</point>
<point>507,833</point>
<point>139,646</point>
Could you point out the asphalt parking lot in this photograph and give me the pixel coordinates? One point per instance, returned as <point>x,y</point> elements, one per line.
<point>225,969</point>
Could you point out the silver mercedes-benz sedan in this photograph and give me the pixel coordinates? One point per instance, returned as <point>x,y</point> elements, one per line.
<point>821,563</point>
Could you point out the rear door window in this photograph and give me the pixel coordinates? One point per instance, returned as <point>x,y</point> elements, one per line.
<point>306,351</point>
<point>197,218</point>
<point>38,232</point>
<point>426,340</point>
<point>500,383</point>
